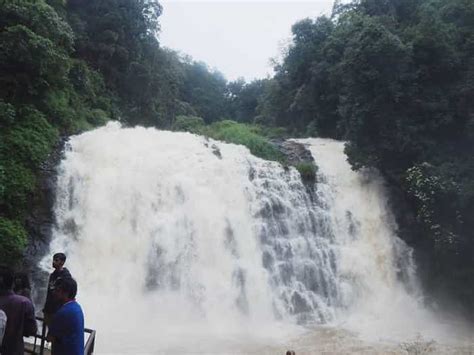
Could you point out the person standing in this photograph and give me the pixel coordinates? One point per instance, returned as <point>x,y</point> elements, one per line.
<point>51,304</point>
<point>20,314</point>
<point>66,331</point>
<point>21,285</point>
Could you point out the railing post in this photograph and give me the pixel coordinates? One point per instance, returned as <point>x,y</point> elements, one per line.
<point>88,348</point>
<point>92,345</point>
<point>43,338</point>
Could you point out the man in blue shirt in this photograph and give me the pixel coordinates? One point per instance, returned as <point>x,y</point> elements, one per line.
<point>67,326</point>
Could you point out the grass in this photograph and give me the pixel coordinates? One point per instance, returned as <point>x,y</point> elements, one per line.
<point>254,137</point>
<point>307,171</point>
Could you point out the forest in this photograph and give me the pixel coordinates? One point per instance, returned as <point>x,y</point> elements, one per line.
<point>392,78</point>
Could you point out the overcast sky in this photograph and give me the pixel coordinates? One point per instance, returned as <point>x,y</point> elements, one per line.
<point>236,37</point>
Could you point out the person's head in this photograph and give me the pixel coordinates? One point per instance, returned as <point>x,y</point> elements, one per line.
<point>65,289</point>
<point>21,280</point>
<point>58,260</point>
<point>6,278</point>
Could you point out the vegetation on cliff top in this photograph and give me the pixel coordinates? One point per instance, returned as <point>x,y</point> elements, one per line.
<point>252,136</point>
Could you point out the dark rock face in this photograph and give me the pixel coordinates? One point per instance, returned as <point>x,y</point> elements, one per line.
<point>300,157</point>
<point>409,230</point>
<point>40,220</point>
<point>294,152</point>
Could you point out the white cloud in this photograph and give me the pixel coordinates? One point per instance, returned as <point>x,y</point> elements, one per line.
<point>237,37</point>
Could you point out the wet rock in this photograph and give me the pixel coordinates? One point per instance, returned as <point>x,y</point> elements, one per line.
<point>40,220</point>
<point>294,152</point>
<point>216,151</point>
<point>300,157</point>
<point>251,173</point>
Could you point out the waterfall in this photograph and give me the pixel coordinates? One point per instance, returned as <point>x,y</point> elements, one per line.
<point>174,238</point>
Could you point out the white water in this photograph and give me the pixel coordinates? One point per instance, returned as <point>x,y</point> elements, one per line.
<point>179,248</point>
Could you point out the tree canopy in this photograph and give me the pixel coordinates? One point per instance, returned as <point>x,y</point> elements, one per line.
<point>394,78</point>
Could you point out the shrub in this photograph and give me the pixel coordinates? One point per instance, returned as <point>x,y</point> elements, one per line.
<point>307,171</point>
<point>312,129</point>
<point>272,132</point>
<point>58,108</point>
<point>7,114</point>
<point>17,183</point>
<point>97,117</point>
<point>238,133</point>
<point>13,239</point>
<point>32,139</point>
<point>191,124</point>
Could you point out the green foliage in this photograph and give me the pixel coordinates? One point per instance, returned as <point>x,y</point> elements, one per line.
<point>97,117</point>
<point>191,124</point>
<point>40,18</point>
<point>247,135</point>
<point>31,139</point>
<point>57,107</point>
<point>205,91</point>
<point>2,182</point>
<point>7,114</point>
<point>301,90</point>
<point>435,197</point>
<point>244,99</point>
<point>272,108</point>
<point>18,184</point>
<point>307,171</point>
<point>29,63</point>
<point>13,240</point>
<point>271,132</point>
<point>254,137</point>
<point>25,145</point>
<point>312,129</point>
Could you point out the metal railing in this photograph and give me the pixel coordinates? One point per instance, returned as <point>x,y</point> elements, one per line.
<point>88,348</point>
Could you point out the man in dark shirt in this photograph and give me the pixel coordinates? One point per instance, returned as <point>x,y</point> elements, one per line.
<point>52,305</point>
<point>67,326</point>
<point>20,314</point>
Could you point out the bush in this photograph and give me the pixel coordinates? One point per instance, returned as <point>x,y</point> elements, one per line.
<point>32,139</point>
<point>13,239</point>
<point>2,182</point>
<point>97,117</point>
<point>272,132</point>
<point>7,114</point>
<point>17,183</point>
<point>191,124</point>
<point>58,108</point>
<point>312,129</point>
<point>238,133</point>
<point>307,171</point>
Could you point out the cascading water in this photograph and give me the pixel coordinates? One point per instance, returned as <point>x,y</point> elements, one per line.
<point>180,243</point>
